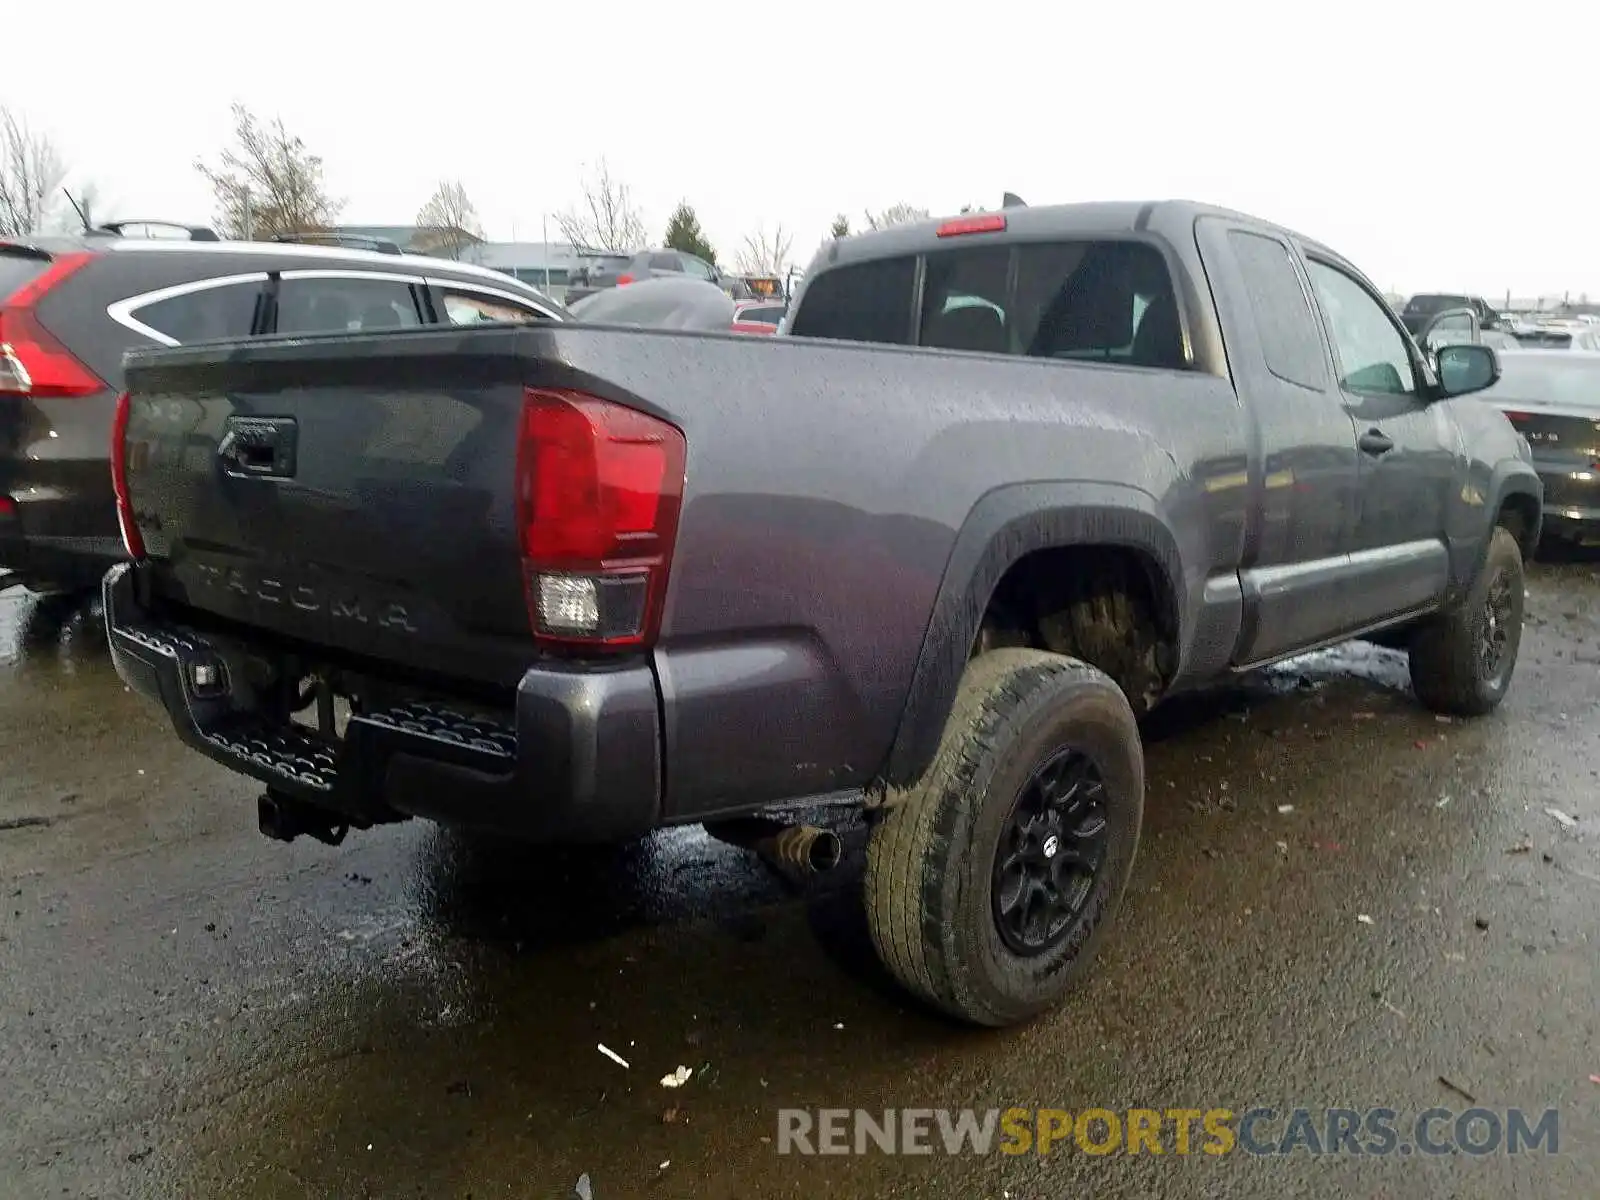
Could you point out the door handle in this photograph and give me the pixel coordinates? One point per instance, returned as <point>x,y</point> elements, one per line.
<point>1375,441</point>
<point>261,446</point>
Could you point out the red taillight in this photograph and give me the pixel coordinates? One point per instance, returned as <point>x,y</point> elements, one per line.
<point>8,507</point>
<point>1516,416</point>
<point>754,327</point>
<point>980,223</point>
<point>622,279</point>
<point>32,362</point>
<point>131,541</point>
<point>598,491</point>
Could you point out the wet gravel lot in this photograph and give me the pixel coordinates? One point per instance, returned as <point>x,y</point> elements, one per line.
<point>1340,901</point>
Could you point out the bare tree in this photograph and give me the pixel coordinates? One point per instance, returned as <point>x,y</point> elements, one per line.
<point>448,222</point>
<point>896,214</point>
<point>268,182</point>
<point>606,219</point>
<point>30,172</point>
<point>764,254</point>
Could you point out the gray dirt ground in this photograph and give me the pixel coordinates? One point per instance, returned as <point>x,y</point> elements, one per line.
<point>187,1009</point>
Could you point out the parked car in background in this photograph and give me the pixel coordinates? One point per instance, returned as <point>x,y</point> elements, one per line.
<point>654,263</point>
<point>758,316</point>
<point>71,307</point>
<point>1559,334</point>
<point>595,273</point>
<point>1553,399</point>
<point>1423,306</point>
<point>646,264</point>
<point>771,288</point>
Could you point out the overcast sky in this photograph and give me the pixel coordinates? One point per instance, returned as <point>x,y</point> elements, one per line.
<point>1439,146</point>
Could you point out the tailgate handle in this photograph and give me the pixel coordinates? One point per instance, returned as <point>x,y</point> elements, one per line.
<point>258,446</point>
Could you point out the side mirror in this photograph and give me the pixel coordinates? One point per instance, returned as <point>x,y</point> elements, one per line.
<point>1467,369</point>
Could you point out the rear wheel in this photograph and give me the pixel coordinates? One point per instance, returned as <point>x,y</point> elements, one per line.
<point>1462,661</point>
<point>990,883</point>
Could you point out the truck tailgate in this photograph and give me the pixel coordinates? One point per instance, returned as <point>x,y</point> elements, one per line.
<point>349,492</point>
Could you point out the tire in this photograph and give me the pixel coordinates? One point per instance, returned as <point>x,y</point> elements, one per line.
<point>933,908</point>
<point>1450,669</point>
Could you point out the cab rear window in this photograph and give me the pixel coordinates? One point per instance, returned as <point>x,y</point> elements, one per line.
<point>863,302</point>
<point>1105,301</point>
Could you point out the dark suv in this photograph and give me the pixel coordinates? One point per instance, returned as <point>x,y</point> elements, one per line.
<point>71,307</point>
<point>1424,306</point>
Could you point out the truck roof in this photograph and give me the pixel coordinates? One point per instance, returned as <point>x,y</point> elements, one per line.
<point>1052,221</point>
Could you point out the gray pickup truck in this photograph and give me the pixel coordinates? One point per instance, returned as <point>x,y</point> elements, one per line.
<point>1006,481</point>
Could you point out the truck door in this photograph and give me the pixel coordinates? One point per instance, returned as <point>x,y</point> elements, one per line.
<point>1303,467</point>
<point>1399,560</point>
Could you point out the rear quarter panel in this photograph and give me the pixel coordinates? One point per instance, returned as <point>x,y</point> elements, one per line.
<point>827,483</point>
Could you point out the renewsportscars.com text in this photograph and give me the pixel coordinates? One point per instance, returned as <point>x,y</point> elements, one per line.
<point>1257,1131</point>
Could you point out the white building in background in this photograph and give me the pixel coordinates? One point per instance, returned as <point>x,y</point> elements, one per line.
<point>545,265</point>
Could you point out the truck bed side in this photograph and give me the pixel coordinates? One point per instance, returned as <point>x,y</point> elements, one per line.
<point>828,483</point>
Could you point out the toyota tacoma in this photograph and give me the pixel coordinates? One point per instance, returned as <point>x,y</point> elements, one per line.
<point>1004,482</point>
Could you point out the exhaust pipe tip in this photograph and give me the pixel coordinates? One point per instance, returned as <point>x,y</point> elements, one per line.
<point>807,849</point>
<point>796,849</point>
<point>826,851</point>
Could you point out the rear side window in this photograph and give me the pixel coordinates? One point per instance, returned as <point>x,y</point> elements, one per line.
<point>865,302</point>
<point>207,315</point>
<point>471,308</point>
<point>346,304</point>
<point>1288,329</point>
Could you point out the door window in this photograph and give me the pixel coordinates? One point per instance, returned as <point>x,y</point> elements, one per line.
<point>346,304</point>
<point>1372,353</point>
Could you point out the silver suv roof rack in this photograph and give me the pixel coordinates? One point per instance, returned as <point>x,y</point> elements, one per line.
<point>197,233</point>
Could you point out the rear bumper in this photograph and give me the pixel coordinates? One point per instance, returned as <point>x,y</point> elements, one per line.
<point>578,759</point>
<point>1572,524</point>
<point>51,563</point>
<point>1571,501</point>
<point>59,529</point>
